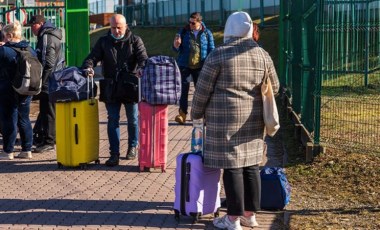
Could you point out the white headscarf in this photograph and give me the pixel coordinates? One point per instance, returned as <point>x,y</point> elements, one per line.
<point>239,24</point>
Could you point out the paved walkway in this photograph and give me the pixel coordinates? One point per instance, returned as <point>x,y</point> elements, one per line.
<point>35,194</point>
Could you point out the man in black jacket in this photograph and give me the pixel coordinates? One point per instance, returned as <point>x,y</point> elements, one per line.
<point>118,49</point>
<point>48,50</point>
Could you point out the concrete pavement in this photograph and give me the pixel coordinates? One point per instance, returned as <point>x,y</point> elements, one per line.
<point>36,194</point>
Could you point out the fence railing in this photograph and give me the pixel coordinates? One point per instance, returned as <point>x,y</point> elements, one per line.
<point>214,12</point>
<point>330,66</point>
<point>55,14</point>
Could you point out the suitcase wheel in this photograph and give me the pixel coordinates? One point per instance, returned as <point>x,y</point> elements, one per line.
<point>163,169</point>
<point>195,219</point>
<point>176,215</point>
<point>83,165</point>
<point>97,162</point>
<point>59,165</point>
<point>142,168</point>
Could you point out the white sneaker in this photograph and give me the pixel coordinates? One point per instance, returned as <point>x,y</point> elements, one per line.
<point>6,156</point>
<point>225,223</point>
<point>249,221</point>
<point>25,154</point>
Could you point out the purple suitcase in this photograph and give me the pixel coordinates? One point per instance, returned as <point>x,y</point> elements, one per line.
<point>197,188</point>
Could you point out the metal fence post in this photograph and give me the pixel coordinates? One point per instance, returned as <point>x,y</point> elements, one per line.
<point>77,36</point>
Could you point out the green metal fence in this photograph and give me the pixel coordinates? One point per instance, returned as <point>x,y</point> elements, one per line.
<point>52,13</point>
<point>330,66</point>
<point>214,12</point>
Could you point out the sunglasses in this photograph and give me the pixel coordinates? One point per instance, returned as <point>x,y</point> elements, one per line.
<point>192,23</point>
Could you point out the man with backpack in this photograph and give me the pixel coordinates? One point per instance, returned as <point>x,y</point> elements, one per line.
<point>48,50</point>
<point>14,107</point>
<point>193,43</point>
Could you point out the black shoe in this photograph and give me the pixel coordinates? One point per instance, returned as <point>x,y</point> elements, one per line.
<point>38,139</point>
<point>131,153</point>
<point>223,204</point>
<point>113,161</point>
<point>44,148</point>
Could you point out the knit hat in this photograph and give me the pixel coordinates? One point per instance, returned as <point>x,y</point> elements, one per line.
<point>239,24</point>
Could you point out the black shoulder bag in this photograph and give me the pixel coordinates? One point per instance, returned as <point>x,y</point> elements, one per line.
<point>126,87</point>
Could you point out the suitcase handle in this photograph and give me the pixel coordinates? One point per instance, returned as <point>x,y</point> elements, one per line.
<point>76,134</point>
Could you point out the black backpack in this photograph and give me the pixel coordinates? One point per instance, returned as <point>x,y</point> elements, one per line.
<point>28,77</point>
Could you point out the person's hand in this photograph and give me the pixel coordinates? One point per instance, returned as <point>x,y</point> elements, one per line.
<point>2,43</point>
<point>140,72</point>
<point>177,41</point>
<point>89,72</point>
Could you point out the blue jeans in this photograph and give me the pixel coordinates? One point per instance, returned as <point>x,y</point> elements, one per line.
<point>14,113</point>
<point>113,125</point>
<point>185,73</point>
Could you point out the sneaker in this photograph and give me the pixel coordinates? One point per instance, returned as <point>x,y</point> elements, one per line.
<point>225,223</point>
<point>249,221</point>
<point>6,156</point>
<point>25,154</point>
<point>131,153</point>
<point>113,161</point>
<point>44,148</point>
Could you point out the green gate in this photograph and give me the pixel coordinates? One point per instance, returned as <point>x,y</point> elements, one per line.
<point>330,67</point>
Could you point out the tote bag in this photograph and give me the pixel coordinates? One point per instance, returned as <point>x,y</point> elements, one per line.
<point>270,112</point>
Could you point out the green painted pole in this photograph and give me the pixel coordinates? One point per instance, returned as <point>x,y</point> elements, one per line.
<point>77,31</point>
<point>368,25</point>
<point>318,81</point>
<point>262,12</point>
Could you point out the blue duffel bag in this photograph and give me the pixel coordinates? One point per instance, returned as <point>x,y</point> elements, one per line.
<point>70,84</point>
<point>275,188</point>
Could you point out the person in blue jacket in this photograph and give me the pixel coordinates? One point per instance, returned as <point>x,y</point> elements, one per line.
<point>193,43</point>
<point>14,108</point>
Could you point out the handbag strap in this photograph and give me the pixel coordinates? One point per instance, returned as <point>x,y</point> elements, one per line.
<point>266,75</point>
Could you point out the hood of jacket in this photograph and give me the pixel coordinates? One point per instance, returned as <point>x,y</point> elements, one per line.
<point>21,44</point>
<point>49,28</point>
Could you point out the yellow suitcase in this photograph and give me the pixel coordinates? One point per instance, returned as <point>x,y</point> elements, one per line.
<point>77,133</point>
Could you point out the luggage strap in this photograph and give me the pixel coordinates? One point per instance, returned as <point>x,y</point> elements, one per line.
<point>185,179</point>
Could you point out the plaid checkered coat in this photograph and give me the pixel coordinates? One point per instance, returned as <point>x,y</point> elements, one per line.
<point>228,96</point>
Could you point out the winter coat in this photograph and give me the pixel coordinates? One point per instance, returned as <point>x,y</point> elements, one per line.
<point>206,40</point>
<point>48,49</point>
<point>228,96</point>
<point>115,53</point>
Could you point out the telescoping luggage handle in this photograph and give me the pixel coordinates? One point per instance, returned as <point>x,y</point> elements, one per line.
<point>92,101</point>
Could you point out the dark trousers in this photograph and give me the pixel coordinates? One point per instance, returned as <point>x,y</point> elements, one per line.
<point>47,116</point>
<point>243,189</point>
<point>185,73</point>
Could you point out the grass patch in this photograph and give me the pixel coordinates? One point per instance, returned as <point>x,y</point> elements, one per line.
<point>338,190</point>
<point>349,113</point>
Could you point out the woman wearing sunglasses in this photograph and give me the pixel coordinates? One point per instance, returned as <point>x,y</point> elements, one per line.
<point>193,43</point>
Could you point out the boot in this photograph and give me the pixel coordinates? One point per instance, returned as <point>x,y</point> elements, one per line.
<point>181,118</point>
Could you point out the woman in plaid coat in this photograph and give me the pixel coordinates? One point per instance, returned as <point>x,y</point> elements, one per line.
<point>228,96</point>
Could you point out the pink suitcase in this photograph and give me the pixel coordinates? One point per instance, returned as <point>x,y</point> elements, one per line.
<point>153,136</point>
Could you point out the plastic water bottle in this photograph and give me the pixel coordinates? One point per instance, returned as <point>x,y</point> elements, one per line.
<point>197,136</point>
